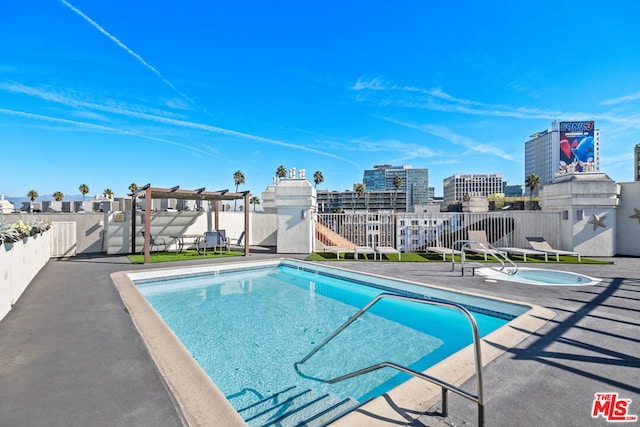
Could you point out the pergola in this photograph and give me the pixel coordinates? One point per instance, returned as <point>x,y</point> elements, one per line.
<point>148,192</point>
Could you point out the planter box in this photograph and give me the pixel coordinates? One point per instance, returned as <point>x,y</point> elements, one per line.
<point>19,263</point>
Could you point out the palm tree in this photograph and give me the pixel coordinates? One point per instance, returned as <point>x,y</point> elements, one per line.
<point>360,189</point>
<point>238,178</point>
<point>281,172</point>
<point>83,189</point>
<point>133,187</point>
<point>32,194</point>
<point>58,196</point>
<point>397,183</point>
<point>254,200</point>
<point>108,193</point>
<point>318,178</point>
<point>532,182</point>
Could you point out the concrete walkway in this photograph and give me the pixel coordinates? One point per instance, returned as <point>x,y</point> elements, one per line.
<point>70,355</point>
<point>591,346</point>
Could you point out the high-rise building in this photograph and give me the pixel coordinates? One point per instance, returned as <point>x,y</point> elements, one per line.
<point>415,183</point>
<point>636,163</point>
<point>381,192</point>
<point>460,186</point>
<point>566,147</point>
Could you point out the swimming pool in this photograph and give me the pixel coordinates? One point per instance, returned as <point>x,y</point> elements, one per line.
<point>303,322</point>
<point>540,276</point>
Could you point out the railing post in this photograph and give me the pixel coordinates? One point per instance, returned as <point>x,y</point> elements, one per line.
<point>445,403</point>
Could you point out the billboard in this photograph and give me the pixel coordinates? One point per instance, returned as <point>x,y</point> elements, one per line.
<point>577,149</point>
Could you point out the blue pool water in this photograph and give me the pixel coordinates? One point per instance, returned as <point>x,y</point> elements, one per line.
<point>247,328</point>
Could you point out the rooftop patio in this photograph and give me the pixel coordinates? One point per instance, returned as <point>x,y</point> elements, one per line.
<point>72,356</point>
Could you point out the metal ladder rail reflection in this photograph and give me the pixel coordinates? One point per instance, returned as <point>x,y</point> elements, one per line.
<point>478,398</point>
<point>465,245</point>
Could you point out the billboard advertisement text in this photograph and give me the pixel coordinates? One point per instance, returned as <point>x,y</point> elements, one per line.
<point>577,150</point>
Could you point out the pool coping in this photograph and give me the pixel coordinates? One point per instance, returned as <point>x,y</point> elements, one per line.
<point>202,403</point>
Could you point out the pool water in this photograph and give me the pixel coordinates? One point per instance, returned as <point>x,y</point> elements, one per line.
<point>247,329</point>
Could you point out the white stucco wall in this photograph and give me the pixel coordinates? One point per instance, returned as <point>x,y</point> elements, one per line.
<point>628,231</point>
<point>262,228</point>
<point>19,263</point>
<point>584,196</point>
<point>295,201</point>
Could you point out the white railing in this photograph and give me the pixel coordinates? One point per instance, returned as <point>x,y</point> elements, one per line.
<point>415,232</point>
<point>357,228</point>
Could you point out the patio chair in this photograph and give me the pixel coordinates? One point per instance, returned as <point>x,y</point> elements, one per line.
<point>540,244</point>
<point>237,242</point>
<point>155,242</point>
<point>224,239</point>
<point>479,243</point>
<point>210,239</point>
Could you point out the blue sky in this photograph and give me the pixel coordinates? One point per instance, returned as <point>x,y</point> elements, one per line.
<point>185,93</point>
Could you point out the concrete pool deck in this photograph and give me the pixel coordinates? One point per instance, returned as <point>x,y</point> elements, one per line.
<point>70,354</point>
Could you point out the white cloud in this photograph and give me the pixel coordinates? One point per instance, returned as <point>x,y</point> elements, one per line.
<point>94,127</point>
<point>373,84</point>
<point>622,99</point>
<point>385,93</point>
<point>70,102</point>
<point>455,138</point>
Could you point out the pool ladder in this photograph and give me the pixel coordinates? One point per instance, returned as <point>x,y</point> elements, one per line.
<point>445,387</point>
<point>511,269</point>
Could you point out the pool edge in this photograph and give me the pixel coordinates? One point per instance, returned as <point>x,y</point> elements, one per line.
<point>196,395</point>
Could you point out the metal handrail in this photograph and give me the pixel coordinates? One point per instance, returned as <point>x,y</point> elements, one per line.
<point>478,398</point>
<point>495,251</point>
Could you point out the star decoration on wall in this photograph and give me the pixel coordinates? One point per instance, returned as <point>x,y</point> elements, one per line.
<point>597,221</point>
<point>636,215</point>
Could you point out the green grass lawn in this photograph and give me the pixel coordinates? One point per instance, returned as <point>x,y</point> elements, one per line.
<point>186,255</point>
<point>432,257</point>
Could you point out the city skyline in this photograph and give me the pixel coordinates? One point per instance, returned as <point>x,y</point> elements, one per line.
<point>114,93</point>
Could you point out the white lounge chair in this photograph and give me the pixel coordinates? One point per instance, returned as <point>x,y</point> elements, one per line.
<point>444,251</point>
<point>387,250</point>
<point>540,244</point>
<point>524,252</point>
<point>339,250</point>
<point>365,250</point>
<point>478,243</point>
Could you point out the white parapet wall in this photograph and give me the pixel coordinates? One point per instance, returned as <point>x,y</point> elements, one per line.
<point>587,203</point>
<point>19,263</point>
<point>295,201</point>
<point>628,219</point>
<point>117,225</point>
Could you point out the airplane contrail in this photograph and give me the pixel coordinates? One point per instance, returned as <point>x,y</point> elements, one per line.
<point>129,51</point>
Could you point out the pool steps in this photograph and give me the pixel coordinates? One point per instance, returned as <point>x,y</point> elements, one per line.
<point>295,406</point>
